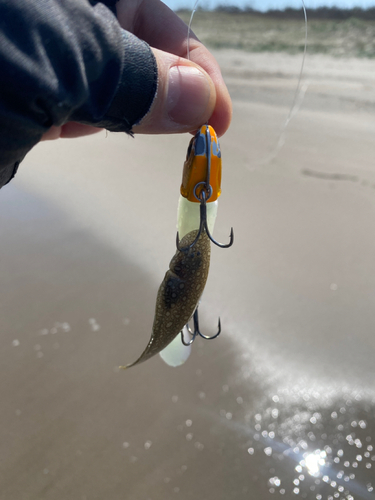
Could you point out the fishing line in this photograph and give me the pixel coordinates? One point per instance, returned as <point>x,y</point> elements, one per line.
<point>189,30</point>
<point>295,104</point>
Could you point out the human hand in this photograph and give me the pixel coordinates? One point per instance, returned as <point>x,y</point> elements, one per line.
<point>199,96</point>
<point>189,94</point>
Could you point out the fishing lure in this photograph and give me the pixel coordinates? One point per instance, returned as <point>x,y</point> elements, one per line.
<point>179,294</point>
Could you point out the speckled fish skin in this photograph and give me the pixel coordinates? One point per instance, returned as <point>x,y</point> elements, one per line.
<point>179,293</point>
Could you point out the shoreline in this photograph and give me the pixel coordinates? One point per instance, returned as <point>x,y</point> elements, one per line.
<point>257,34</point>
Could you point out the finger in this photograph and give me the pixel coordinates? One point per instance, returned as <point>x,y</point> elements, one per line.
<point>185,98</point>
<point>51,134</point>
<point>73,129</point>
<point>69,130</point>
<point>154,22</point>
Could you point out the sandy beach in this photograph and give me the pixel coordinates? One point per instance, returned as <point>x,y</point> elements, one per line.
<point>283,402</point>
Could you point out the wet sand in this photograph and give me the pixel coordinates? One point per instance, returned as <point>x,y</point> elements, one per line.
<point>87,230</point>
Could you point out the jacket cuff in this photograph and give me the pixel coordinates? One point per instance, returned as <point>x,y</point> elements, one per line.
<point>137,88</point>
<point>7,174</point>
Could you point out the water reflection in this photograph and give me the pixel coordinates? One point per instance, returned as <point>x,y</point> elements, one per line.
<point>292,443</point>
<point>310,448</point>
<point>314,462</point>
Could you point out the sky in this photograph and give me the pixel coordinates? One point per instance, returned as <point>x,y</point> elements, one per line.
<point>271,4</point>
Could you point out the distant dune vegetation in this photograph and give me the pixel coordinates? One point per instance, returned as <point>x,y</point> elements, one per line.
<point>332,31</point>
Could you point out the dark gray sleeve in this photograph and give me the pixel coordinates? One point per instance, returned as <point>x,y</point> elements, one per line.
<point>67,60</point>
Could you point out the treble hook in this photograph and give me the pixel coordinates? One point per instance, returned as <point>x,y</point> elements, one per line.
<point>203,197</point>
<point>203,226</point>
<point>196,330</point>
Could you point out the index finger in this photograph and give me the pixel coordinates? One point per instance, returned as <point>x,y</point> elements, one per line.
<point>160,27</point>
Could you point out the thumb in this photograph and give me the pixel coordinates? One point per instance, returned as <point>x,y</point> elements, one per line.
<point>185,98</point>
